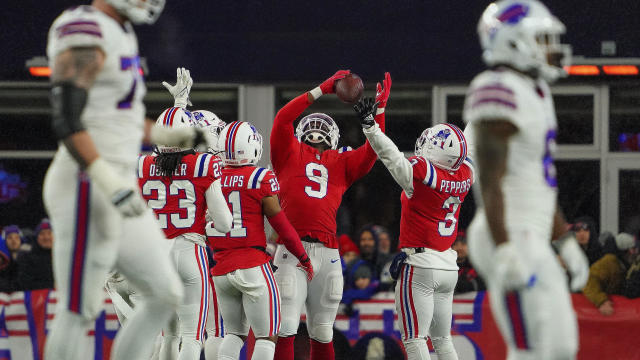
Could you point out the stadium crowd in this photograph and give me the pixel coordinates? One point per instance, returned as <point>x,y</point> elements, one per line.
<point>25,262</point>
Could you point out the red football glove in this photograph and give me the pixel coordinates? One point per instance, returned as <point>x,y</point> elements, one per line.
<point>328,87</point>
<point>305,265</point>
<point>382,91</point>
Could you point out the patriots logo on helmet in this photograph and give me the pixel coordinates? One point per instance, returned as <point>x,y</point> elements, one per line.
<point>441,137</point>
<point>513,14</point>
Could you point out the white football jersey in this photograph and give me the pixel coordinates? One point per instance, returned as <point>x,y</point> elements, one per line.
<point>114,114</point>
<point>529,185</point>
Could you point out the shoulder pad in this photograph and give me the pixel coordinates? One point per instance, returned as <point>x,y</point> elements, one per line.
<point>256,177</point>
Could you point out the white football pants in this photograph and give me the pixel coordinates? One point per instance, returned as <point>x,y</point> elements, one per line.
<point>249,298</point>
<point>321,296</point>
<point>92,238</point>
<point>424,303</point>
<point>537,322</point>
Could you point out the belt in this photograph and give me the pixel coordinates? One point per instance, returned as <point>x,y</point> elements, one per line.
<point>411,251</point>
<point>309,239</point>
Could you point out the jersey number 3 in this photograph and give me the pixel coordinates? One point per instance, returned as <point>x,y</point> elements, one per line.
<point>319,175</point>
<point>446,227</point>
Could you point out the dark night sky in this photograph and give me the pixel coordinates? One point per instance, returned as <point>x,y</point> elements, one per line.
<point>287,41</point>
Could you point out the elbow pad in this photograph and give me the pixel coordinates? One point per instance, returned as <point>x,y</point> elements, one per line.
<point>67,102</point>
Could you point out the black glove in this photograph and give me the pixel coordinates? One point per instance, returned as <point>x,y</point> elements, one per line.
<point>366,108</point>
<point>396,265</point>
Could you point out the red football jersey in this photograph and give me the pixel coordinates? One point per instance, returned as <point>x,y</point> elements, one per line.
<point>179,202</point>
<point>313,183</point>
<point>430,217</point>
<point>244,188</point>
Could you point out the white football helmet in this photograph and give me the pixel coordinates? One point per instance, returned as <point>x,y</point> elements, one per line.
<point>443,145</point>
<point>139,11</point>
<point>210,121</point>
<point>318,128</point>
<point>242,144</point>
<point>525,35</point>
<point>174,117</point>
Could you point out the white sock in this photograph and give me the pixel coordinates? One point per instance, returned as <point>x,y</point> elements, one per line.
<point>230,348</point>
<point>444,348</point>
<point>264,349</point>
<point>135,341</point>
<point>211,347</point>
<point>67,326</point>
<point>190,349</point>
<point>170,347</point>
<point>417,349</point>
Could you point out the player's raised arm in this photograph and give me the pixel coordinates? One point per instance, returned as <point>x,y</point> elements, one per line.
<point>286,232</point>
<point>361,160</point>
<point>399,166</point>
<point>282,135</point>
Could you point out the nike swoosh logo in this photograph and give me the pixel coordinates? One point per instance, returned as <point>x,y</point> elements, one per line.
<point>332,261</point>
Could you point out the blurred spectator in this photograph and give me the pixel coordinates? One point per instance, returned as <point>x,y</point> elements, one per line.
<point>386,253</point>
<point>368,244</point>
<point>607,275</point>
<point>360,283</point>
<point>377,346</point>
<point>348,250</point>
<point>632,280</point>
<point>11,245</point>
<point>587,236</point>
<point>468,279</point>
<point>34,267</point>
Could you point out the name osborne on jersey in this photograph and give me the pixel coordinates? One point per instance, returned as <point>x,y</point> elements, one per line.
<point>155,171</point>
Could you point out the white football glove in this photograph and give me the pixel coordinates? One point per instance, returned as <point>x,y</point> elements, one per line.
<point>180,91</point>
<point>575,260</point>
<point>509,268</point>
<point>125,197</point>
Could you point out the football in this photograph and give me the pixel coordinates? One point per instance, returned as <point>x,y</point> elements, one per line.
<point>349,89</point>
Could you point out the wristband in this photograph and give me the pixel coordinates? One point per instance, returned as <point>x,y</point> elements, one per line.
<point>316,93</point>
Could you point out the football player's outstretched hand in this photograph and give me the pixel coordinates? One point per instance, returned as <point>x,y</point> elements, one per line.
<point>366,108</point>
<point>575,260</point>
<point>125,197</point>
<point>305,265</point>
<point>180,91</point>
<point>509,268</point>
<point>382,91</point>
<point>328,86</point>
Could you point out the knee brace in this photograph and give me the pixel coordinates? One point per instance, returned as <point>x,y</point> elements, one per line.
<point>416,349</point>
<point>444,348</point>
<point>322,333</point>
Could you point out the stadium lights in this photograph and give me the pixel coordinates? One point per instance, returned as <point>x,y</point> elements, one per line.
<point>608,66</point>
<point>39,67</point>
<point>620,69</point>
<point>582,70</point>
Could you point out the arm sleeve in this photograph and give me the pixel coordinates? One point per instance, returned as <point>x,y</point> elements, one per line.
<point>288,235</point>
<point>400,167</point>
<point>283,139</point>
<point>490,99</point>
<point>218,208</point>
<point>360,161</point>
<point>594,290</point>
<point>70,31</point>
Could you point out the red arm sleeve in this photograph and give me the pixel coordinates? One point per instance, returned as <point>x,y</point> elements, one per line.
<point>282,136</point>
<point>288,235</point>
<point>360,161</point>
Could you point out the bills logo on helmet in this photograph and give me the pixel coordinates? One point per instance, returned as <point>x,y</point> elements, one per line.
<point>513,14</point>
<point>441,137</point>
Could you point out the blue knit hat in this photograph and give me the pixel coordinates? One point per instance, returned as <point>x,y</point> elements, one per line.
<point>10,229</point>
